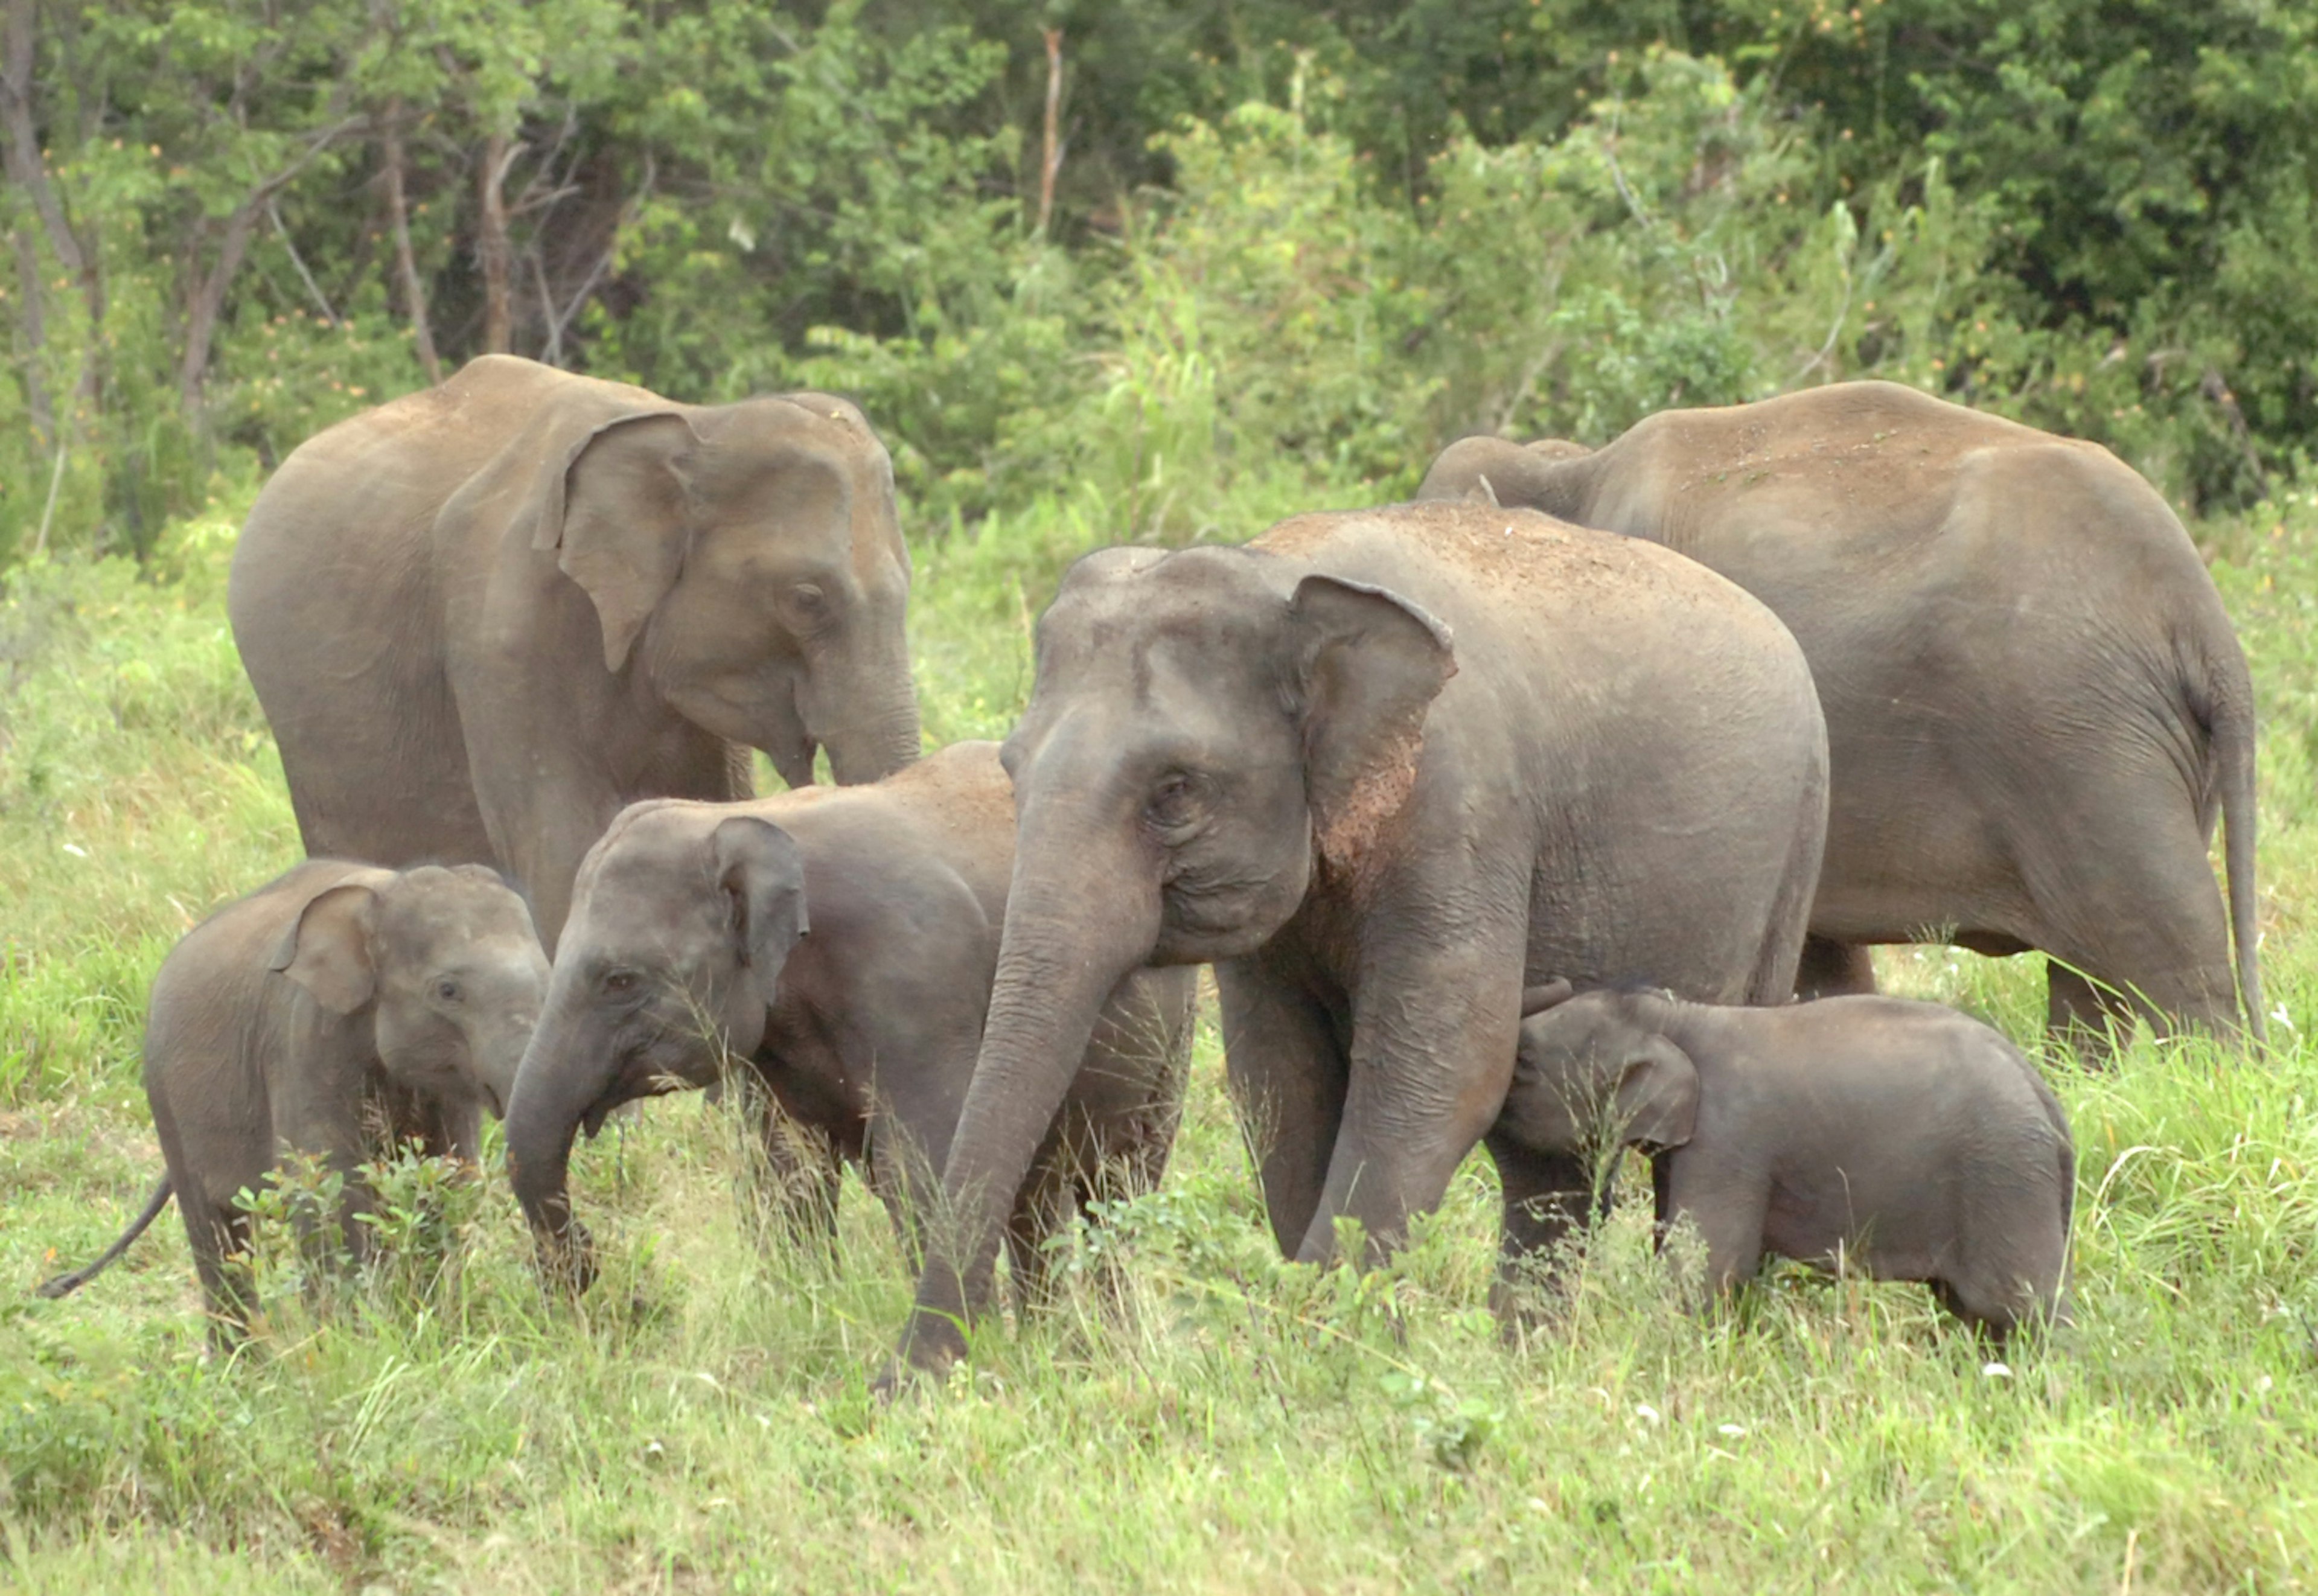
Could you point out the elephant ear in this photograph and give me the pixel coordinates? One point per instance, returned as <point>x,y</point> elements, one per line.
<point>761,873</point>
<point>1370,664</point>
<point>1657,1103</point>
<point>1553,994</point>
<point>328,950</point>
<point>613,509</point>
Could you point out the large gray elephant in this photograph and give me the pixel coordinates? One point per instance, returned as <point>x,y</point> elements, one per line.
<point>1379,768</point>
<point>842,941</point>
<point>2034,702</point>
<point>485,617</point>
<point>334,1002</point>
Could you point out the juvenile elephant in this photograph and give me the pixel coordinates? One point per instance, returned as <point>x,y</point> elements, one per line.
<point>485,617</point>
<point>688,937</point>
<point>336,1001</point>
<point>1901,1138</point>
<point>1276,759</point>
<point>2034,703</point>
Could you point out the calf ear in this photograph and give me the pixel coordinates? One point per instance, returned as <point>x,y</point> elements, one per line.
<point>761,874</point>
<point>1658,1095</point>
<point>1368,664</point>
<point>327,950</point>
<point>1537,999</point>
<point>615,509</point>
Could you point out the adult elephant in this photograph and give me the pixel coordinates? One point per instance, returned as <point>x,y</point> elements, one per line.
<point>485,617</point>
<point>1381,768</point>
<point>2034,702</point>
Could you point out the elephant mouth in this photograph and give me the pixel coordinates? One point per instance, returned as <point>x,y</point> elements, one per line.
<point>658,1084</point>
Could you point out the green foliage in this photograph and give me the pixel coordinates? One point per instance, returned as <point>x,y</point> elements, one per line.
<point>1295,246</point>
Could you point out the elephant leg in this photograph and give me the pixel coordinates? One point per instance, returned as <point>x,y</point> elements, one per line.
<point>1833,969</point>
<point>2085,1016</point>
<point>1435,1024</point>
<point>1548,1197</point>
<point>219,1242</point>
<point>2138,911</point>
<point>1043,1210</point>
<point>801,1178</point>
<point>1727,1202</point>
<point>1287,1075</point>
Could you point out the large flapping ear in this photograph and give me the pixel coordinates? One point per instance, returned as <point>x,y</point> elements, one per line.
<point>1370,665</point>
<point>761,873</point>
<point>613,509</point>
<point>1658,1095</point>
<point>328,950</point>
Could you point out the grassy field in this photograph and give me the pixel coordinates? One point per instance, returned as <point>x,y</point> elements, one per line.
<point>1224,1422</point>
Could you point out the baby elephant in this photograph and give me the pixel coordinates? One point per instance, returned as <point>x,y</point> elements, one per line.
<point>842,941</point>
<point>335,1001</point>
<point>1903,1137</point>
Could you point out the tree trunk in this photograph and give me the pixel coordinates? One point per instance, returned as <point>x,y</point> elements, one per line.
<point>406,263</point>
<point>1050,152</point>
<point>207,302</point>
<point>20,158</point>
<point>491,242</point>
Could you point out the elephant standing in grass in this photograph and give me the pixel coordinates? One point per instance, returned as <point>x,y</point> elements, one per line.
<point>485,617</point>
<point>843,942</point>
<point>2035,705</point>
<point>1381,767</point>
<point>1905,1140</point>
<point>335,1001</point>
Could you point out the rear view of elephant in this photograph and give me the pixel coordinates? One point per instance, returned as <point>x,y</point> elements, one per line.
<point>1381,767</point>
<point>2034,703</point>
<point>334,1001</point>
<point>842,941</point>
<point>485,617</point>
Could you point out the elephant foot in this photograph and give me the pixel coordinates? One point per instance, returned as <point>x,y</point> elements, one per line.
<point>566,1262</point>
<point>2082,1016</point>
<point>1833,969</point>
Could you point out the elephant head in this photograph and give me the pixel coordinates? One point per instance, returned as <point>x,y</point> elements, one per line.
<point>1206,729</point>
<point>450,961</point>
<point>1595,1071</point>
<point>1544,475</point>
<point>683,917</point>
<point>748,560</point>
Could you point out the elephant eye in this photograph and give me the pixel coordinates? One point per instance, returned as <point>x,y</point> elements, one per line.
<point>448,991</point>
<point>621,983</point>
<point>808,599</point>
<point>1175,801</point>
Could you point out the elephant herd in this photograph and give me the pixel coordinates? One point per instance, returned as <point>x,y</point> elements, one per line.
<point>1681,725</point>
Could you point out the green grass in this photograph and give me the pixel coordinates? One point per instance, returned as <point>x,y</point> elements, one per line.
<point>1220,1422</point>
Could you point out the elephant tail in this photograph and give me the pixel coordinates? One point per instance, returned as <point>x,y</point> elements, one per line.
<point>66,1284</point>
<point>2233,745</point>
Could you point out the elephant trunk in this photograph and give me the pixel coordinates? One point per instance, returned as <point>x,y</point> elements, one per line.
<point>863,708</point>
<point>563,1076</point>
<point>875,748</point>
<point>1084,914</point>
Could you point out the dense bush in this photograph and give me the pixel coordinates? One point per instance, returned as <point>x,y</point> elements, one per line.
<point>1294,245</point>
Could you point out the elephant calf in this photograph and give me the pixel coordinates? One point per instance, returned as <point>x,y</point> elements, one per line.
<point>843,941</point>
<point>333,1001</point>
<point>1901,1137</point>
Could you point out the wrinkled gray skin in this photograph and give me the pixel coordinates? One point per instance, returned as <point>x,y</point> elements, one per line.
<point>2035,705</point>
<point>335,1001</point>
<point>1914,1143</point>
<point>484,618</point>
<point>843,942</point>
<point>1377,768</point>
